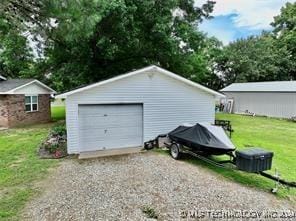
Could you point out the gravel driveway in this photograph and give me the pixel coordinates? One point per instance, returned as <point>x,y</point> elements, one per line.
<point>118,188</point>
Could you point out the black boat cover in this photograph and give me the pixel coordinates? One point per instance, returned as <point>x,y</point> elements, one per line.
<point>203,137</point>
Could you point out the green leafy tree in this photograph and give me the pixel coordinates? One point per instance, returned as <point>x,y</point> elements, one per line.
<point>17,18</point>
<point>199,65</point>
<point>22,12</point>
<point>285,32</point>
<point>92,40</point>
<point>16,58</point>
<point>257,58</point>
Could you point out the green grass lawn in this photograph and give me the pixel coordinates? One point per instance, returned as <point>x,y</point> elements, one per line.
<point>272,134</point>
<point>58,113</point>
<point>20,166</point>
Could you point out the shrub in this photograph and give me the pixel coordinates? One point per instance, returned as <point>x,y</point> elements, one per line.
<point>59,130</point>
<point>56,143</point>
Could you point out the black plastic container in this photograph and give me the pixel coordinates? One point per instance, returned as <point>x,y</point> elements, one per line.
<point>253,160</point>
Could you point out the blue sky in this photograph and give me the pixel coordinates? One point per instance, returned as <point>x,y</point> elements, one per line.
<point>235,19</point>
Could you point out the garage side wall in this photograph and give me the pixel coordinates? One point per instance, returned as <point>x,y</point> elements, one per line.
<point>281,105</point>
<point>167,103</point>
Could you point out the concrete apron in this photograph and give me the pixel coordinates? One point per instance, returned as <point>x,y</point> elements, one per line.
<point>113,152</point>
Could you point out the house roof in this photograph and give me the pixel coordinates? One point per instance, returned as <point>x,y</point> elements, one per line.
<point>11,85</point>
<point>142,70</point>
<point>271,86</point>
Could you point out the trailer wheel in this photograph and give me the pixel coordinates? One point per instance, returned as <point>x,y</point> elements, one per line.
<point>148,145</point>
<point>175,151</point>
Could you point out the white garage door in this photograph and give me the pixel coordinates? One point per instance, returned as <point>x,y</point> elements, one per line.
<point>110,126</point>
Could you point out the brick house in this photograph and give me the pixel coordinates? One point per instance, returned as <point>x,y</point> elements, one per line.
<point>24,101</point>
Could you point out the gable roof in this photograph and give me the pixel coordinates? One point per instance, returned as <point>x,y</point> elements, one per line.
<point>11,85</point>
<point>149,68</point>
<point>269,86</point>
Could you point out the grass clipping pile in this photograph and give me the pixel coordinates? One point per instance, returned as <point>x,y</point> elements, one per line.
<point>55,146</point>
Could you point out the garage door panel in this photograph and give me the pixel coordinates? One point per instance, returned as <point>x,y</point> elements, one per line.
<point>112,133</point>
<point>110,109</point>
<point>103,142</point>
<point>101,145</point>
<point>110,126</point>
<point>110,122</point>
<point>132,139</point>
<point>107,114</point>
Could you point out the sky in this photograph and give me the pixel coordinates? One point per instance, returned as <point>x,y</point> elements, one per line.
<point>234,19</point>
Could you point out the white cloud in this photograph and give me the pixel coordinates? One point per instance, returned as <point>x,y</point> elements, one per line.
<point>255,14</point>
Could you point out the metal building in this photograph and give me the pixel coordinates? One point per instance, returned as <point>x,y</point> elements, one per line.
<point>274,99</point>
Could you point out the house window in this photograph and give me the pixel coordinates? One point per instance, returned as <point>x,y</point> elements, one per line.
<point>31,103</point>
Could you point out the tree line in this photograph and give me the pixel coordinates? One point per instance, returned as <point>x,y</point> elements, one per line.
<point>76,42</point>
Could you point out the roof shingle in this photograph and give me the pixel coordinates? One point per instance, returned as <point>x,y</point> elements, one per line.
<point>10,84</point>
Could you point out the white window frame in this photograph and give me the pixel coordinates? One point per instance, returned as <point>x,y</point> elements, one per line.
<point>31,102</point>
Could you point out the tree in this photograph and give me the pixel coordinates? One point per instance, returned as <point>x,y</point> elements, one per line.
<point>17,19</point>
<point>285,33</point>
<point>16,58</point>
<point>22,12</point>
<point>199,65</point>
<point>257,58</point>
<point>93,40</point>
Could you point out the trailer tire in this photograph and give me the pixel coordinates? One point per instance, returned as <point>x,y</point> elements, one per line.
<point>149,145</point>
<point>175,151</point>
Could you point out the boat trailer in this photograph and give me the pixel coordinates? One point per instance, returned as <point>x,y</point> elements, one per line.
<point>251,160</point>
<point>232,161</point>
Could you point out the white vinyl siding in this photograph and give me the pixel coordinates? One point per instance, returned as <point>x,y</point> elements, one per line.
<point>167,103</point>
<point>273,104</point>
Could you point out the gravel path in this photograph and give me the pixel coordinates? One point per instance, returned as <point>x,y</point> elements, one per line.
<point>117,188</point>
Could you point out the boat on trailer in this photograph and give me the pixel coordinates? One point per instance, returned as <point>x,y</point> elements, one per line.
<point>203,137</point>
<point>203,140</point>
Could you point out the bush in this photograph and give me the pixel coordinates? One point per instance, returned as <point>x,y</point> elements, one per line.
<point>59,130</point>
<point>56,143</point>
<point>52,148</point>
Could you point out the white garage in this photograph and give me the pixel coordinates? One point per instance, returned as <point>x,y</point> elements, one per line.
<point>127,110</point>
